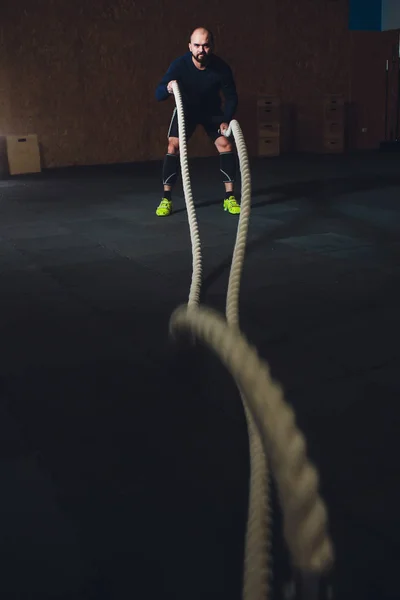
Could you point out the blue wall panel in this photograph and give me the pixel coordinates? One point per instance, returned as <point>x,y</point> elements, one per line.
<point>365,15</point>
<point>374,15</point>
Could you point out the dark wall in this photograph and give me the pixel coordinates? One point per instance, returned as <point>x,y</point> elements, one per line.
<point>82,74</point>
<point>368,54</point>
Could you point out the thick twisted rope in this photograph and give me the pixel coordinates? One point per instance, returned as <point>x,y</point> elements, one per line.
<point>271,423</point>
<point>305,515</point>
<point>256,562</point>
<point>257,571</point>
<point>195,287</point>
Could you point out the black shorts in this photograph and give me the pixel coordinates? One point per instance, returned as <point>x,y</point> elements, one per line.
<point>210,124</point>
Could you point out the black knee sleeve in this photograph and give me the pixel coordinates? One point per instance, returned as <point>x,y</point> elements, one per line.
<point>227,162</point>
<point>170,169</point>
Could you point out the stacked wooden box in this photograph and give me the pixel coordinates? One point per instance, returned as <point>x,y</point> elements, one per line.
<point>334,123</point>
<point>268,118</point>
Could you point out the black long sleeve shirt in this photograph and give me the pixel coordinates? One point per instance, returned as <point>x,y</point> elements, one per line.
<point>201,88</point>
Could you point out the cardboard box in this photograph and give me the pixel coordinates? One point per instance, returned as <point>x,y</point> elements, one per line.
<point>23,154</point>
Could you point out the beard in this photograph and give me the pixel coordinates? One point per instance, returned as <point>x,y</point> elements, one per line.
<point>201,58</point>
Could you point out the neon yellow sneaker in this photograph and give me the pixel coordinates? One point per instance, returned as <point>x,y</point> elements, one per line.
<point>165,208</point>
<point>231,205</point>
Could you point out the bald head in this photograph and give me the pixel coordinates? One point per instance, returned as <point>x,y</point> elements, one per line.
<point>201,45</point>
<point>202,31</point>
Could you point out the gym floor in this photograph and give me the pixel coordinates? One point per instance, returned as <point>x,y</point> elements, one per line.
<point>124,458</point>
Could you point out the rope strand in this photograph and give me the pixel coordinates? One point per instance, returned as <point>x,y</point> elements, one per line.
<point>270,420</point>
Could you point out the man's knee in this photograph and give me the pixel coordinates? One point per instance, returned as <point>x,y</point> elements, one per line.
<point>173,145</point>
<point>223,144</point>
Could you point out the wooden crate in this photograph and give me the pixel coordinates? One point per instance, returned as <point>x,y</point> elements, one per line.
<point>268,114</point>
<point>23,154</point>
<point>334,123</point>
<point>333,129</point>
<point>269,146</point>
<point>268,101</point>
<point>268,123</point>
<point>333,145</point>
<point>269,130</point>
<point>334,100</point>
<point>334,113</point>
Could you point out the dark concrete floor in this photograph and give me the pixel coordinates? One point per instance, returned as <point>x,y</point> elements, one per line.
<point>124,459</point>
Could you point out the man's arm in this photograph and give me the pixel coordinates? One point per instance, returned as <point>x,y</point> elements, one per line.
<point>230,94</point>
<point>172,73</point>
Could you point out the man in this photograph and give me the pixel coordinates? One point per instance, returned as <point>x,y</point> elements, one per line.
<point>201,76</point>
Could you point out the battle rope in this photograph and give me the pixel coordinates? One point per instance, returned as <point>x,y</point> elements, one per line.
<point>271,421</point>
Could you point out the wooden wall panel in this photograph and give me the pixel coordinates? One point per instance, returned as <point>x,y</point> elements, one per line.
<point>82,74</point>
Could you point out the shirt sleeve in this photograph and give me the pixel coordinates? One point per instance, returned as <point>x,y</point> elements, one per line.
<point>173,72</point>
<point>230,94</point>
